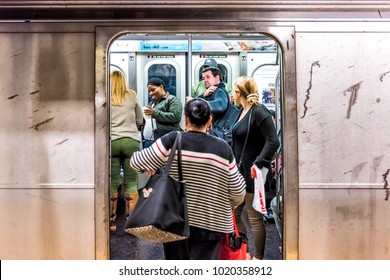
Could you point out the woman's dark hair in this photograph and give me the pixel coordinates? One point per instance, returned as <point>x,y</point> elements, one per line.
<point>198,111</point>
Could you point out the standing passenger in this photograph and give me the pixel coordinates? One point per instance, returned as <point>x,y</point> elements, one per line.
<point>200,87</point>
<point>163,114</point>
<point>213,184</point>
<point>126,116</point>
<point>259,151</point>
<point>224,113</point>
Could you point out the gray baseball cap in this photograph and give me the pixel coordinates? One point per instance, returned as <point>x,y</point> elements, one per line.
<point>210,62</point>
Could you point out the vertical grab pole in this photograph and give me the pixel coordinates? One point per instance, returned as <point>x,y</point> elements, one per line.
<point>189,66</point>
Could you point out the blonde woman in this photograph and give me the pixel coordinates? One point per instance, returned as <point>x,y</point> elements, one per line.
<point>126,117</point>
<point>256,125</point>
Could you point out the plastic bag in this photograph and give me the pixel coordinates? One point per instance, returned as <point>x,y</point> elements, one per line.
<point>259,193</point>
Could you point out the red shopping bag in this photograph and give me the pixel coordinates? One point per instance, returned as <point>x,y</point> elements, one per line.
<point>234,245</point>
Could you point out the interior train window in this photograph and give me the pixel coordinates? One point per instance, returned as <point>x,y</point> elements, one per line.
<point>265,78</point>
<point>167,73</point>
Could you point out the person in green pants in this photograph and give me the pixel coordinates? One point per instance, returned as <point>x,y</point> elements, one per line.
<point>126,117</point>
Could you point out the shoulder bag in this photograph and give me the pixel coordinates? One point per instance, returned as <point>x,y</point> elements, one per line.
<point>160,214</point>
<point>234,245</point>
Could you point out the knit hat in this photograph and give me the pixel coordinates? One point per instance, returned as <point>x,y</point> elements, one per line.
<point>156,82</point>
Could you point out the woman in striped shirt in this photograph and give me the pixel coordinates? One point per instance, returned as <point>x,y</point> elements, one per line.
<point>213,184</point>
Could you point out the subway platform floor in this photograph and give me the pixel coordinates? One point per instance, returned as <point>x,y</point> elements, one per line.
<point>124,246</point>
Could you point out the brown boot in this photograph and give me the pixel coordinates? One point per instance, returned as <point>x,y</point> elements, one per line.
<point>131,200</point>
<point>113,206</point>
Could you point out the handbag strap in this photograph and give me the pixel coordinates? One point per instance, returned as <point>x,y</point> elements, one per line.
<point>179,167</point>
<point>246,137</point>
<point>235,225</point>
<point>176,146</point>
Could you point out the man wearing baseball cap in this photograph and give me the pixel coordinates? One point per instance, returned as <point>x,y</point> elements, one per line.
<point>200,87</point>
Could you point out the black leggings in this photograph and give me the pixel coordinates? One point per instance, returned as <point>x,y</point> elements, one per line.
<point>201,245</point>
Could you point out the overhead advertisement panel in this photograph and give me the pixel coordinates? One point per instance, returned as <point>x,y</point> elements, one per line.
<point>197,45</point>
<point>168,46</point>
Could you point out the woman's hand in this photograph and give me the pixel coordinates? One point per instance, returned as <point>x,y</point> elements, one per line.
<point>150,172</point>
<point>148,110</point>
<point>253,171</point>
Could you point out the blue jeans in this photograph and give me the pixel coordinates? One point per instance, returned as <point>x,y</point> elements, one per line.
<point>147,143</point>
<point>121,151</point>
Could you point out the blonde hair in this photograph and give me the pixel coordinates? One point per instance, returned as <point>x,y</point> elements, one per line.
<point>248,88</point>
<point>119,89</point>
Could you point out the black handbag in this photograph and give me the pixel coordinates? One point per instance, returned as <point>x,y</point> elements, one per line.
<point>160,214</point>
<point>222,127</point>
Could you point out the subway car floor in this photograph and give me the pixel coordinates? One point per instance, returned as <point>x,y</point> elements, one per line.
<point>124,246</point>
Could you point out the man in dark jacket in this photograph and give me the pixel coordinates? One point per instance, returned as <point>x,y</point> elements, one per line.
<point>200,87</point>
<point>224,113</point>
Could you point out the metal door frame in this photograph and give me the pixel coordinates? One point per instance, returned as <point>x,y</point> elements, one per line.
<point>283,34</point>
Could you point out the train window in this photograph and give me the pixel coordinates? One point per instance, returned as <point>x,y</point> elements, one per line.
<point>266,76</point>
<point>165,72</point>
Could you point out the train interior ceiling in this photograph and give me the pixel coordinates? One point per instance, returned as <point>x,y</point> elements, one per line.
<point>140,57</point>
<point>178,60</point>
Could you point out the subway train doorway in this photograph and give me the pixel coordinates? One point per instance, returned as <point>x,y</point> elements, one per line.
<point>178,61</point>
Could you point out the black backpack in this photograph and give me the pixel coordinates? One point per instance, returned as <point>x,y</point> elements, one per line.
<point>223,127</point>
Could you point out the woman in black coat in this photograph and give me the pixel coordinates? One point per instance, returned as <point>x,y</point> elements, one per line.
<point>261,145</point>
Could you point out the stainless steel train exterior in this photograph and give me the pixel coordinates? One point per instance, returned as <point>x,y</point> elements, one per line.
<point>334,103</point>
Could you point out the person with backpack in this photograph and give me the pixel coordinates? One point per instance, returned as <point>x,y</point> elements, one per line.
<point>200,87</point>
<point>224,113</point>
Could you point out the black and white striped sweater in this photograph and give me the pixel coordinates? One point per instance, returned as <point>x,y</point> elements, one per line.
<point>213,182</point>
